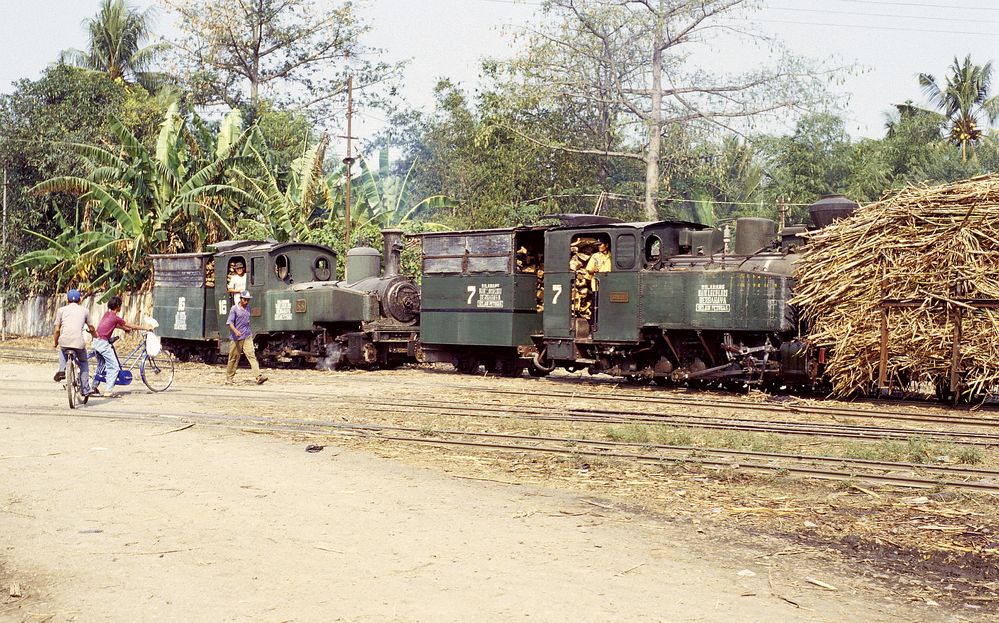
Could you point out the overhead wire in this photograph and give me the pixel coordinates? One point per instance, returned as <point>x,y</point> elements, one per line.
<point>888,15</point>
<point>929,5</point>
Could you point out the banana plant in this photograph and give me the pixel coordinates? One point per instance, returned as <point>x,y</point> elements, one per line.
<point>379,197</point>
<point>136,203</point>
<point>290,214</point>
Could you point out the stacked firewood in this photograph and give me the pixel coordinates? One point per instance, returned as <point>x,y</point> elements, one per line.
<point>581,250</point>
<point>929,245</point>
<point>210,274</point>
<point>530,263</point>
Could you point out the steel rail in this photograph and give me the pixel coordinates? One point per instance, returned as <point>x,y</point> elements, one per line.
<point>717,457</point>
<point>603,416</point>
<point>625,395</point>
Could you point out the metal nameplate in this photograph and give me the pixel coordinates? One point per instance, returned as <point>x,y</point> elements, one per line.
<point>619,297</point>
<point>300,306</point>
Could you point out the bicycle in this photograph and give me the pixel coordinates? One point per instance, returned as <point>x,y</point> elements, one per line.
<point>156,370</point>
<point>74,389</point>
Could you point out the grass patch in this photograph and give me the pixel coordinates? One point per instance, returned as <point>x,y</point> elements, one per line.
<point>969,455</point>
<point>629,433</point>
<point>914,450</point>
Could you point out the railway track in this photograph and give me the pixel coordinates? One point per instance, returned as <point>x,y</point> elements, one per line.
<point>817,467</point>
<point>670,418</point>
<point>629,394</point>
<point>453,408</point>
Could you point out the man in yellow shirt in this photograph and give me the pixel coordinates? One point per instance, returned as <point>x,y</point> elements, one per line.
<point>600,262</point>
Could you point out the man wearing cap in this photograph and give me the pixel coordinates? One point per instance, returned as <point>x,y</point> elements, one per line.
<point>67,334</point>
<point>242,340</point>
<point>237,282</point>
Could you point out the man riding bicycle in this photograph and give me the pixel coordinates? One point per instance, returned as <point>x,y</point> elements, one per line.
<point>102,344</point>
<point>67,334</point>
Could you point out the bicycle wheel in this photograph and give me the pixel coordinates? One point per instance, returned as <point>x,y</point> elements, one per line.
<point>157,372</point>
<point>72,381</point>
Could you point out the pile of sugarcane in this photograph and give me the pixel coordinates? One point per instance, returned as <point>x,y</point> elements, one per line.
<point>530,263</point>
<point>938,247</point>
<point>582,295</point>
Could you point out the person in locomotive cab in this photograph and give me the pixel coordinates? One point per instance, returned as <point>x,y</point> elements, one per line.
<point>237,282</point>
<point>242,339</point>
<point>599,262</point>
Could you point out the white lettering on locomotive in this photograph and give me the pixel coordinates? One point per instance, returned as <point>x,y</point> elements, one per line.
<point>282,309</point>
<point>712,299</point>
<point>490,296</point>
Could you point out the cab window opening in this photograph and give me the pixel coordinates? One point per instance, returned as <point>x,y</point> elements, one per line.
<point>282,267</point>
<point>321,268</point>
<point>653,250</point>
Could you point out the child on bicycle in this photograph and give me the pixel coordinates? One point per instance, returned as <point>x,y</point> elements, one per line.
<point>67,333</point>
<point>102,344</point>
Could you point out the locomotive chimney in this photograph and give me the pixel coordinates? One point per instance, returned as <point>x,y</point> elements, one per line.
<point>392,239</point>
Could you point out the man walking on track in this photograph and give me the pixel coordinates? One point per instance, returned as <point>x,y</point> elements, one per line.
<point>242,339</point>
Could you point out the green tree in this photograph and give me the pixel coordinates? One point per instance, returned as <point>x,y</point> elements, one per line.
<point>39,123</point>
<point>116,44</point>
<point>813,161</point>
<point>635,63</point>
<point>467,151</point>
<point>134,202</point>
<point>963,100</point>
<point>293,53</point>
<point>290,209</point>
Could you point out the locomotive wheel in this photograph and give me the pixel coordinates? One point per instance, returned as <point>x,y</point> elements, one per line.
<point>210,356</point>
<point>467,364</point>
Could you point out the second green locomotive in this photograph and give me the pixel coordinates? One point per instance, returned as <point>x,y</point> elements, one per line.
<point>301,314</point>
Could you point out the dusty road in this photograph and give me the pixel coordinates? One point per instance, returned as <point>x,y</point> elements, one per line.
<point>105,520</point>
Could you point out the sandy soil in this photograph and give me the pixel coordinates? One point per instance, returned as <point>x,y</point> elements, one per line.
<point>108,520</point>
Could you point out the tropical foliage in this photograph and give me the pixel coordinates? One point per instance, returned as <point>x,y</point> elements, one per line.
<point>104,171</point>
<point>116,44</point>
<point>133,203</point>
<point>963,100</point>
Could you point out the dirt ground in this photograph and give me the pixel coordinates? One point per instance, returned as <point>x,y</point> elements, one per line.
<point>111,520</point>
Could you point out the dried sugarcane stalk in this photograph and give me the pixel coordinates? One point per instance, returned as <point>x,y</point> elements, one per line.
<point>934,244</point>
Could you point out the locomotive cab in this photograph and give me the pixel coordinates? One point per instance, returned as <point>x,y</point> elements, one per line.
<point>672,303</point>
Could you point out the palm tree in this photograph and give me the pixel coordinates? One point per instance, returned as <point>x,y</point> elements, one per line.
<point>116,38</point>
<point>963,100</point>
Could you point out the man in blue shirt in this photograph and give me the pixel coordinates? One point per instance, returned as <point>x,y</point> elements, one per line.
<point>242,339</point>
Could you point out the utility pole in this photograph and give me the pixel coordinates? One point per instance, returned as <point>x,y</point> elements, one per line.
<point>3,286</point>
<point>349,160</point>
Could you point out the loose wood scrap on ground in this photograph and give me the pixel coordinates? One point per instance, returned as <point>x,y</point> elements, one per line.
<point>934,244</point>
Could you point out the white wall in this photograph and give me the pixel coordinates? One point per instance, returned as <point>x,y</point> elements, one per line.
<point>34,317</point>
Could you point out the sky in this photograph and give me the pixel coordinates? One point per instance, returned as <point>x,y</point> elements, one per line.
<point>886,43</point>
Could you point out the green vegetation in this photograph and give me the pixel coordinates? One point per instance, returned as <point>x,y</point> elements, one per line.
<point>111,157</point>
